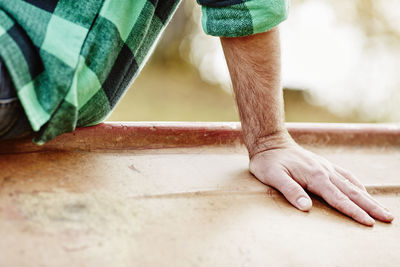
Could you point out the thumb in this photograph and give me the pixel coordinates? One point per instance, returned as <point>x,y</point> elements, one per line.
<point>292,191</point>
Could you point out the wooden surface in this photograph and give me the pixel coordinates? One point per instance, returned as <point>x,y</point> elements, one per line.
<point>167,194</point>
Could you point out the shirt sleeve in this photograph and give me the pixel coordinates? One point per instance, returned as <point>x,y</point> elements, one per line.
<point>235,18</point>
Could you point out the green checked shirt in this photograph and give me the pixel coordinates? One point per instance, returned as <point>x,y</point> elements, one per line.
<point>71,60</point>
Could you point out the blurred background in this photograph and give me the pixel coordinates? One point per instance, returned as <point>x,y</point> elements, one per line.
<point>341,63</point>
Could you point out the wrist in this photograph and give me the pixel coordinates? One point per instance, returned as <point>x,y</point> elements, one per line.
<point>275,140</point>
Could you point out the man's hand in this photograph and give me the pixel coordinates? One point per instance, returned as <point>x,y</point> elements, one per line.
<point>275,159</point>
<point>292,169</point>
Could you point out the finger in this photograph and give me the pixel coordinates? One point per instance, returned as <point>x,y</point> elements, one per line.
<point>292,191</point>
<point>348,175</point>
<point>334,197</point>
<point>362,199</point>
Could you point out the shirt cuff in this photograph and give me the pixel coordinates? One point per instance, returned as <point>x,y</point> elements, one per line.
<point>235,18</point>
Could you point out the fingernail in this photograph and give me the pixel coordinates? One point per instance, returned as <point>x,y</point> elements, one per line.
<point>369,221</point>
<point>304,203</point>
<point>389,216</point>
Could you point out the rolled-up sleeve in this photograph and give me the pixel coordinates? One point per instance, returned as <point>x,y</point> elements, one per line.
<point>234,18</point>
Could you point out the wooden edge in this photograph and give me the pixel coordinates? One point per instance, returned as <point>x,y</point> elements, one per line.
<point>155,135</point>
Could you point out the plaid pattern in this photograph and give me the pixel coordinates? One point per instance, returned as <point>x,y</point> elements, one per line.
<point>71,61</point>
<point>233,18</point>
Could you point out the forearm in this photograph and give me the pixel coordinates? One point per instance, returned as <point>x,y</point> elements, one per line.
<point>255,69</point>
<point>254,65</point>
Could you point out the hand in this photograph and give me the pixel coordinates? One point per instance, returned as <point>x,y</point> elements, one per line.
<point>292,170</point>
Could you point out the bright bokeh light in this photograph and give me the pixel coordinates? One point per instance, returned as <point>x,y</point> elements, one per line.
<point>329,51</point>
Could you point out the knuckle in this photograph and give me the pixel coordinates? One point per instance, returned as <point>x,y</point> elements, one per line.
<point>348,209</point>
<point>354,213</point>
<point>343,171</point>
<point>316,183</point>
<point>354,194</point>
<point>318,173</point>
<point>341,197</point>
<point>288,188</point>
<point>349,174</point>
<point>292,190</point>
<point>341,202</point>
<point>375,210</point>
